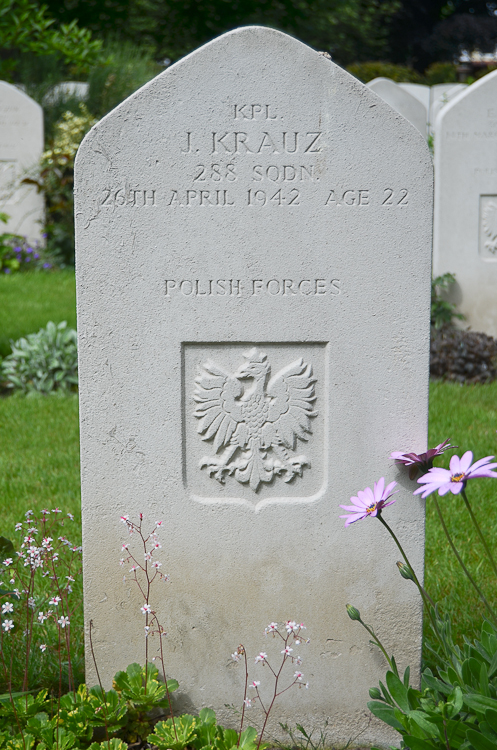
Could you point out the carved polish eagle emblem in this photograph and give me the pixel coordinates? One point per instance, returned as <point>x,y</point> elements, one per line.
<point>255,421</point>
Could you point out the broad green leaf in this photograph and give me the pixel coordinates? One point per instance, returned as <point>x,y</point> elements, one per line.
<point>424,723</point>
<point>206,715</point>
<point>478,741</point>
<point>491,717</point>
<point>386,714</point>
<point>416,743</point>
<point>398,691</point>
<point>479,703</point>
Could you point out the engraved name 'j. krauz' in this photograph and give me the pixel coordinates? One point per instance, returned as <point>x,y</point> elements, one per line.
<point>255,424</point>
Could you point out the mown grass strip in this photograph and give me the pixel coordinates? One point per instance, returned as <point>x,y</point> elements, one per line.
<point>29,300</point>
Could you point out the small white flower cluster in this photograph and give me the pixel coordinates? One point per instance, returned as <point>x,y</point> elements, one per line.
<point>150,568</point>
<point>39,556</point>
<point>289,632</point>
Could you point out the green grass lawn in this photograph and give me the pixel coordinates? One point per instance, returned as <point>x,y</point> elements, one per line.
<point>39,456</point>
<point>29,300</point>
<point>468,416</point>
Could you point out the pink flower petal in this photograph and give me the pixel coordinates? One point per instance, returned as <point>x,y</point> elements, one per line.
<point>379,486</point>
<point>455,488</point>
<point>352,508</point>
<point>389,488</point>
<point>483,472</point>
<point>466,461</point>
<point>482,462</point>
<point>434,476</point>
<point>455,465</point>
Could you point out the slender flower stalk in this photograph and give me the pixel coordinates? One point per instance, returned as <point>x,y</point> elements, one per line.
<point>354,614</point>
<point>479,531</point>
<point>415,579</point>
<point>459,560</point>
<point>144,575</point>
<point>289,633</point>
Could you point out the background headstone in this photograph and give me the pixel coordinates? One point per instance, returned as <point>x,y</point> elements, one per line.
<point>420,91</point>
<point>465,232</point>
<point>21,146</point>
<point>254,196</point>
<point>441,95</point>
<point>67,90</point>
<point>402,101</point>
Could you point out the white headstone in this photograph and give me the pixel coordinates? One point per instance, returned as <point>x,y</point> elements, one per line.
<point>442,94</point>
<point>465,237</point>
<point>254,208</point>
<point>21,146</point>
<point>402,101</point>
<point>67,90</point>
<point>420,92</point>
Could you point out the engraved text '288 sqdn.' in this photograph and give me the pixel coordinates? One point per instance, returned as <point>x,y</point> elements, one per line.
<point>255,424</point>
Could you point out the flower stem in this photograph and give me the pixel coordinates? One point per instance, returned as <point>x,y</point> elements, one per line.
<point>459,560</point>
<point>379,644</point>
<point>424,596</point>
<point>478,529</point>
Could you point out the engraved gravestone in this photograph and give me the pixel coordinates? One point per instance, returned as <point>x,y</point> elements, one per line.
<point>402,101</point>
<point>21,145</point>
<point>253,271</point>
<point>465,232</point>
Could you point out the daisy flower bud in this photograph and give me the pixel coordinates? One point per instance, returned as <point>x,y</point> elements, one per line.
<point>405,571</point>
<point>352,612</point>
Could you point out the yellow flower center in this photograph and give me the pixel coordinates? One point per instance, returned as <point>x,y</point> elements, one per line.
<point>457,477</point>
<point>371,508</point>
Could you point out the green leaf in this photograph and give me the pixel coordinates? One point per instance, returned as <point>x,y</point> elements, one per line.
<point>206,715</point>
<point>398,691</point>
<point>6,548</point>
<point>478,741</point>
<point>415,743</point>
<point>386,714</point>
<point>248,738</point>
<point>491,717</point>
<point>424,723</point>
<point>479,703</point>
<point>484,688</point>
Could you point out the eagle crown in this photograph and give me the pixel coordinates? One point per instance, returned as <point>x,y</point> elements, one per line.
<point>256,367</point>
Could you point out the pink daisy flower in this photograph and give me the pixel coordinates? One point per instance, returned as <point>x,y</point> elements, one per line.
<point>369,502</point>
<point>455,478</point>
<point>420,461</point>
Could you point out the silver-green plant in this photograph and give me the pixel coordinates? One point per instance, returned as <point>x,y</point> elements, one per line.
<point>45,362</point>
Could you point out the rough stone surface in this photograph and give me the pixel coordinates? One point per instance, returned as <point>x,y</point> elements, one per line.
<point>402,101</point>
<point>254,196</point>
<point>465,230</point>
<point>21,145</point>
